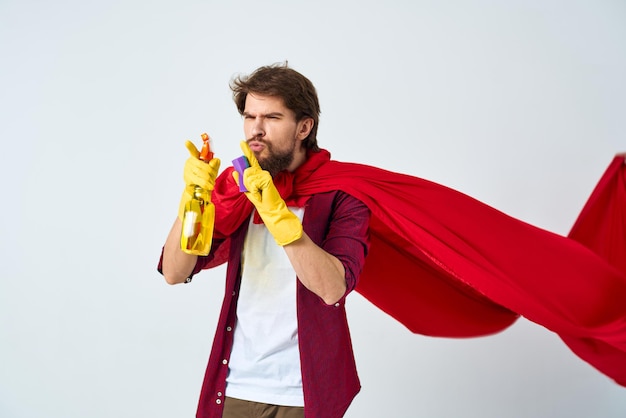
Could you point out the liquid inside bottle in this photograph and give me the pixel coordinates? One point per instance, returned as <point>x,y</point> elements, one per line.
<point>197,231</point>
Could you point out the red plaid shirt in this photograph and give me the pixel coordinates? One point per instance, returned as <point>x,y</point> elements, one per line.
<point>339,224</point>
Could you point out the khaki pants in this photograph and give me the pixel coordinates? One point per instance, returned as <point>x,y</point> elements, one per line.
<point>237,408</point>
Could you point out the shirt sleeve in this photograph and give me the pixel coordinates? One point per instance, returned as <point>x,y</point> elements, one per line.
<point>348,236</point>
<point>218,255</point>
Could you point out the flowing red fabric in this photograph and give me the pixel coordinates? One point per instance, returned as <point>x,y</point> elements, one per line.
<point>445,264</point>
<point>601,226</point>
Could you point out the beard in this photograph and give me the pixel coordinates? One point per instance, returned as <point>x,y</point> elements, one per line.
<point>276,161</point>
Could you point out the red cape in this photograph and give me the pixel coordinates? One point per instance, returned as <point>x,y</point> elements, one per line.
<point>445,264</point>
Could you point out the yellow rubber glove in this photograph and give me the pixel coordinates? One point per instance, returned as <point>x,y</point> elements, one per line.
<point>283,224</point>
<point>197,173</point>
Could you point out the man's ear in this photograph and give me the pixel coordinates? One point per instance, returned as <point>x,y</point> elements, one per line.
<point>304,128</point>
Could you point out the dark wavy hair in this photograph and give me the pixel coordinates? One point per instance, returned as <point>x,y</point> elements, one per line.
<point>297,92</point>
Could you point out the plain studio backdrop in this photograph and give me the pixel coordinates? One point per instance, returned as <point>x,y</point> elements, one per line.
<point>519,103</point>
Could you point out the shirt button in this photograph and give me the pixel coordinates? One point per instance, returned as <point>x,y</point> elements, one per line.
<point>234,293</point>
<point>218,401</point>
<point>229,329</point>
<point>225,361</point>
<point>337,305</point>
<point>219,394</point>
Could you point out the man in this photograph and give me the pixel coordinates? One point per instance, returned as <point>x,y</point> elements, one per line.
<point>282,347</point>
<point>440,262</point>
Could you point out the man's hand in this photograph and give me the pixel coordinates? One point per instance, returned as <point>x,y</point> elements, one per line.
<point>197,173</point>
<point>284,226</point>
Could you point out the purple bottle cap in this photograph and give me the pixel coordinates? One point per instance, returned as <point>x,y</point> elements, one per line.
<point>240,165</point>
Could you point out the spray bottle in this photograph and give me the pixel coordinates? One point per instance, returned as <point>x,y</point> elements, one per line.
<point>197,230</point>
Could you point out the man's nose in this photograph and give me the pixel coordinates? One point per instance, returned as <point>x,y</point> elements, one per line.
<point>258,129</point>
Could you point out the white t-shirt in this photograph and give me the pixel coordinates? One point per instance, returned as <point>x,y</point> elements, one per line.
<point>265,360</point>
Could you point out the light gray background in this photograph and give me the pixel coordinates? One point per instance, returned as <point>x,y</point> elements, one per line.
<point>521,104</point>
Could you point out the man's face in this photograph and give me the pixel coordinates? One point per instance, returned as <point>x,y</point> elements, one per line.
<point>273,133</point>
